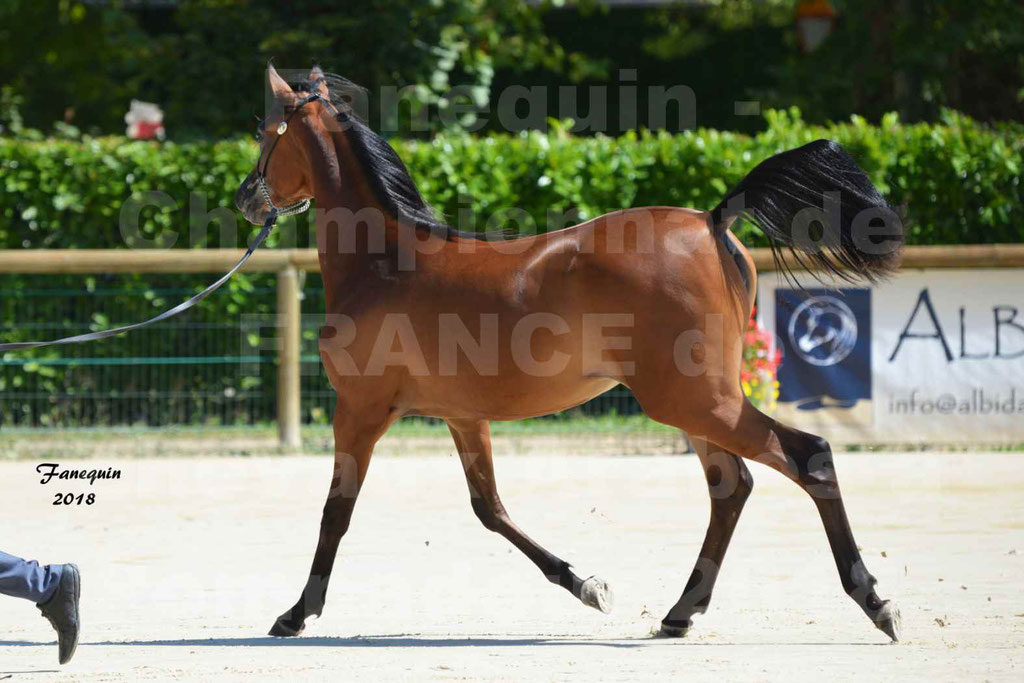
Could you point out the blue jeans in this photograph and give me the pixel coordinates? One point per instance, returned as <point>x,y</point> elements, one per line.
<point>26,579</point>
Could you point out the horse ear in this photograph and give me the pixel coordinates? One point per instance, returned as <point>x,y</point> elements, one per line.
<point>277,85</point>
<point>317,74</point>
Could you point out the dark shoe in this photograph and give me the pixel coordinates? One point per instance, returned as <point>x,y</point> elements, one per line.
<point>61,611</point>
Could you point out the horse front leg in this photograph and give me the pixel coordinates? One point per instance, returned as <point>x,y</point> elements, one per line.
<point>355,433</point>
<point>473,441</point>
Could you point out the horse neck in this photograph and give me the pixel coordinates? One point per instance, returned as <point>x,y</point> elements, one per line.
<point>345,246</point>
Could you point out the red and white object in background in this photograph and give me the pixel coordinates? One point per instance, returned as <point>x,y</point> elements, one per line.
<point>145,121</point>
<point>815,20</point>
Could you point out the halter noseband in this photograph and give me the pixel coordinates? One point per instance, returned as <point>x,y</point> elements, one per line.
<point>261,173</point>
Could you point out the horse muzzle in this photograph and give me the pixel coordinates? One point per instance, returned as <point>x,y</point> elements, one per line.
<point>249,200</point>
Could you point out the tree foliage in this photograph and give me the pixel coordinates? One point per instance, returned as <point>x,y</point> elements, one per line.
<point>913,56</point>
<point>202,59</point>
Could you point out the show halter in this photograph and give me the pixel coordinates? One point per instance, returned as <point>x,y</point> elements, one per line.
<point>261,173</point>
<point>268,224</point>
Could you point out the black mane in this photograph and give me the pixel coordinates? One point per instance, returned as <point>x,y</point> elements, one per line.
<point>386,172</point>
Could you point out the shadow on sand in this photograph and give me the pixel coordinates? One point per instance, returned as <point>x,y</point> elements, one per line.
<point>412,640</point>
<point>396,640</point>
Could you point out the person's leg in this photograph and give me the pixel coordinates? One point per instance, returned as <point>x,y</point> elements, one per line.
<point>55,590</point>
<point>28,580</point>
<point>61,610</point>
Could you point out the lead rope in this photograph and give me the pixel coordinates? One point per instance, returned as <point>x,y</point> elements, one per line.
<point>170,313</point>
<point>275,211</point>
<point>185,305</point>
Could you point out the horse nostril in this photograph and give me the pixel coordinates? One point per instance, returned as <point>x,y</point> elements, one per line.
<point>243,197</point>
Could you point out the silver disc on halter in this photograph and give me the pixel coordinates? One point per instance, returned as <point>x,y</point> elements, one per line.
<point>282,127</point>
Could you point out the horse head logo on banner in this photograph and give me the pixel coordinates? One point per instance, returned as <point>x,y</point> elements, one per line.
<point>823,330</point>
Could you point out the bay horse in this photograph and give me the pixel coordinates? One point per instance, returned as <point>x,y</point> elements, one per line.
<point>423,319</point>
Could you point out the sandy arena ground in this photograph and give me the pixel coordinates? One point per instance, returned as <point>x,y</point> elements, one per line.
<point>187,561</point>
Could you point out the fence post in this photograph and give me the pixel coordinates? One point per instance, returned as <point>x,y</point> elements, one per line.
<point>288,357</point>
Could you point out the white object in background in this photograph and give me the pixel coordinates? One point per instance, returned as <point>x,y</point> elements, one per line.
<point>145,121</point>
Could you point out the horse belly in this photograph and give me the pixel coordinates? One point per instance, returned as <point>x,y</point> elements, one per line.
<point>506,398</point>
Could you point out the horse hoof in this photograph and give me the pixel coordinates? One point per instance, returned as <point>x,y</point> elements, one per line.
<point>888,621</point>
<point>282,628</point>
<point>674,629</point>
<point>597,594</point>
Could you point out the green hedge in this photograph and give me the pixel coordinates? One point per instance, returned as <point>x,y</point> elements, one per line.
<point>959,179</point>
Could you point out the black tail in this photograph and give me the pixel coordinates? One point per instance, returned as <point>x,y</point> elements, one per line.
<point>816,201</point>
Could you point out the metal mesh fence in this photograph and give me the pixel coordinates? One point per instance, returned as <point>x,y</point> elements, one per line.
<point>205,367</point>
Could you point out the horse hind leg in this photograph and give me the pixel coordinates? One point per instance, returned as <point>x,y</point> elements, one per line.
<point>739,427</point>
<point>473,441</point>
<point>729,485</point>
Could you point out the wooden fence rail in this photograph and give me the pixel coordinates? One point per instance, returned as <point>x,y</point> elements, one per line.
<point>288,263</point>
<point>184,261</point>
